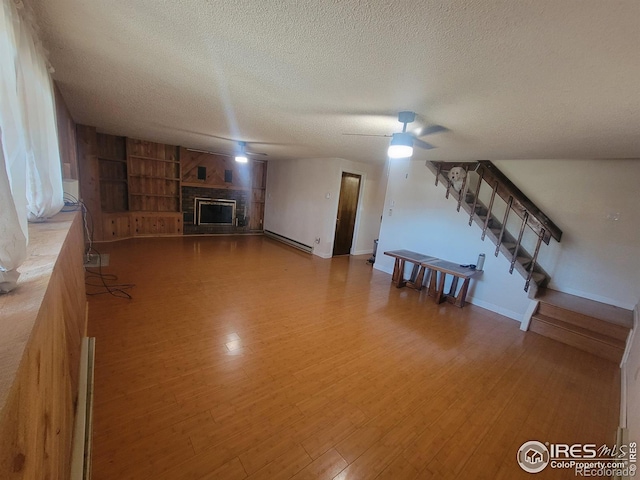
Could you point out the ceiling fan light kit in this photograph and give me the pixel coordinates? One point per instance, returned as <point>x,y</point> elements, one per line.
<point>402,143</point>
<point>241,154</point>
<point>401,146</point>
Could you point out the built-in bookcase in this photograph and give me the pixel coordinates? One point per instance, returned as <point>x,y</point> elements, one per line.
<point>154,176</point>
<point>112,164</point>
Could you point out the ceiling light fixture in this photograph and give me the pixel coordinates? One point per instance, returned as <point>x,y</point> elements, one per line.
<point>401,145</point>
<point>241,154</point>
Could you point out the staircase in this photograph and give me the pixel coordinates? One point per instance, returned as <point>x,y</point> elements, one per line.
<point>591,326</point>
<point>498,207</point>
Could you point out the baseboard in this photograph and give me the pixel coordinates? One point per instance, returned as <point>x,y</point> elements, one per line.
<point>289,241</point>
<point>83,424</point>
<point>362,252</point>
<point>377,266</point>
<point>518,317</point>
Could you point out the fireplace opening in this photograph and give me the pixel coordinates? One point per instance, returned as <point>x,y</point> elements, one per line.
<point>209,211</point>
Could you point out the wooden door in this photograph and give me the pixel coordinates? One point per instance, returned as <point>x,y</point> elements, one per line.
<point>346,217</point>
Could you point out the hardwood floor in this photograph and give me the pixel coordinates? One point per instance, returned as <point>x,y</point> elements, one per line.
<point>239,357</point>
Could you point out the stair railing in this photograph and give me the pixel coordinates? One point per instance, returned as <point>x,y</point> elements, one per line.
<point>516,201</point>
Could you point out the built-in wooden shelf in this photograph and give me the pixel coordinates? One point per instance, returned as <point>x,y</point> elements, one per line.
<point>109,159</point>
<point>157,177</point>
<point>151,195</point>
<point>217,187</point>
<point>154,159</point>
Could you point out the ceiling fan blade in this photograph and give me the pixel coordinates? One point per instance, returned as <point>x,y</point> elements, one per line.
<point>366,135</point>
<point>419,143</point>
<point>256,154</point>
<point>431,129</point>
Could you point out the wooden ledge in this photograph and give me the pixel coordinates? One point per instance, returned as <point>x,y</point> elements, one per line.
<point>19,308</point>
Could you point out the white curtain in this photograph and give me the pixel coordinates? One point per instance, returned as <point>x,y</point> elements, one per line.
<point>30,173</point>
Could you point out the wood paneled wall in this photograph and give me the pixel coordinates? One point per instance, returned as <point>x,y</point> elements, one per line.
<point>215,166</point>
<point>43,322</point>
<point>133,187</point>
<point>89,174</point>
<point>66,137</point>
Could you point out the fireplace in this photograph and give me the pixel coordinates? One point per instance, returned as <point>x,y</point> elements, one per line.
<point>210,211</point>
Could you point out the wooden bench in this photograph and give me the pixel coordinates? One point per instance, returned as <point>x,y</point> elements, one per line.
<point>438,270</point>
<point>417,274</point>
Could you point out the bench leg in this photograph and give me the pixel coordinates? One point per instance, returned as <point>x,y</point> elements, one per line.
<point>454,287</point>
<point>461,298</point>
<point>398,273</point>
<point>433,283</point>
<point>417,277</point>
<point>440,293</point>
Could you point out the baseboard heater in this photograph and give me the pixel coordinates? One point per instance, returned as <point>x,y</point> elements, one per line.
<point>289,241</point>
<point>81,453</point>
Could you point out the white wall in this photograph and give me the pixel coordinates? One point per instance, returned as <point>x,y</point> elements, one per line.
<point>418,217</point>
<point>297,206</point>
<point>598,257</point>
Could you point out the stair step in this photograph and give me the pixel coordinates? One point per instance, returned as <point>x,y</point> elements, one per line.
<point>511,246</point>
<point>538,277</point>
<point>524,261</point>
<point>606,319</point>
<point>581,338</point>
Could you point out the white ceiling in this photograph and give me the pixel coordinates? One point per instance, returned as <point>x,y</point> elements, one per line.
<point>510,79</point>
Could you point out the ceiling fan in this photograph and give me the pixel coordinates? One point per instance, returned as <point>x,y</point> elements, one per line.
<point>402,143</point>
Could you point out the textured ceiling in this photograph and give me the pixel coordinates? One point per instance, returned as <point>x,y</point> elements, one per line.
<point>510,79</point>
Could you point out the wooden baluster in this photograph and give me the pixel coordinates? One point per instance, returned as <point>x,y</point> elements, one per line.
<point>486,220</point>
<point>504,224</point>
<point>449,183</point>
<point>533,260</point>
<point>515,252</point>
<point>438,169</point>
<point>475,199</point>
<point>464,187</point>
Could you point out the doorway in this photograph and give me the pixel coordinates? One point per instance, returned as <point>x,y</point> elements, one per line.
<point>346,217</point>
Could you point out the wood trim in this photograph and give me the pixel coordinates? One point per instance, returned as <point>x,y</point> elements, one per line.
<point>214,187</point>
